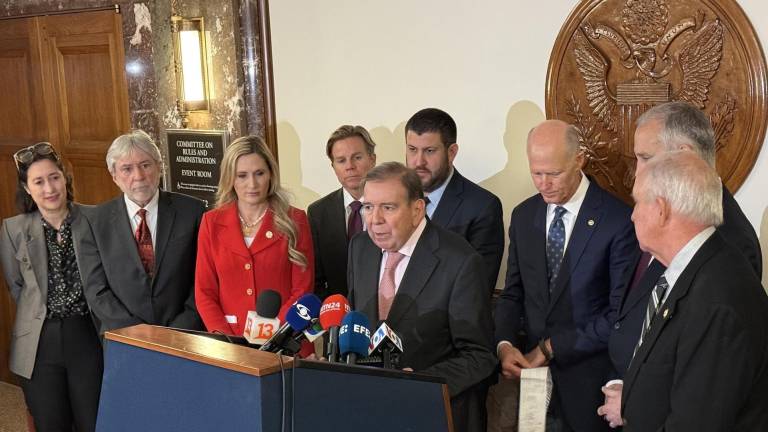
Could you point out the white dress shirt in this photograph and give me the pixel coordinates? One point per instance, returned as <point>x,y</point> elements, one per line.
<point>572,206</point>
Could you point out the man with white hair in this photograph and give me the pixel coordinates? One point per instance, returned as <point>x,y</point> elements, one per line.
<point>138,259</point>
<point>701,362</point>
<point>673,126</point>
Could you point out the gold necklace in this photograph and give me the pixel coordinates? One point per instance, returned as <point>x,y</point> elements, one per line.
<point>248,228</point>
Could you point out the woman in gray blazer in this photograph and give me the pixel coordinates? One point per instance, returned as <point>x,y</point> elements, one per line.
<point>55,349</point>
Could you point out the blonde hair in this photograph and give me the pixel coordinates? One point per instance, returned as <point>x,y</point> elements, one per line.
<point>277,198</point>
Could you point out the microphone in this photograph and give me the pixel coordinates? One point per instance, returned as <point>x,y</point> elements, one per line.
<point>298,317</point>
<point>354,336</point>
<point>331,314</point>
<point>386,343</point>
<point>262,323</point>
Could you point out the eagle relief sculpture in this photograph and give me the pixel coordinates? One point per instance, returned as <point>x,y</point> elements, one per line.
<point>629,56</point>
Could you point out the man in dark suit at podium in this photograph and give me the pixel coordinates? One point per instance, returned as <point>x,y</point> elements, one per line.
<point>454,202</point>
<point>138,258</point>
<point>335,218</point>
<point>423,281</point>
<point>569,246</point>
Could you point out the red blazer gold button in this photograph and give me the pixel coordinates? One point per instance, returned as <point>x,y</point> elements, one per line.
<point>248,266</point>
<point>249,291</point>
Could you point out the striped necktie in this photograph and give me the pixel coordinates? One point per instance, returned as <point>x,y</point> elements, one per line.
<point>657,295</point>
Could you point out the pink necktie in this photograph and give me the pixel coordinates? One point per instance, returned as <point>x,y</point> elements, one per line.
<point>387,284</point>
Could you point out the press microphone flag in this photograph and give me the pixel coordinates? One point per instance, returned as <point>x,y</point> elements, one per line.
<point>386,342</point>
<point>298,318</point>
<point>261,324</point>
<point>332,312</point>
<point>354,336</point>
<point>383,337</point>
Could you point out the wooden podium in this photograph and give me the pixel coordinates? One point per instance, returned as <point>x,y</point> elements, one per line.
<point>160,379</point>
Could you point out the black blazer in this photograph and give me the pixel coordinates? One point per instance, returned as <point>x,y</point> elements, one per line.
<point>440,311</point>
<point>579,312</point>
<point>475,214</point>
<point>735,229</point>
<point>626,329</point>
<point>703,366</point>
<point>118,290</point>
<point>329,237</point>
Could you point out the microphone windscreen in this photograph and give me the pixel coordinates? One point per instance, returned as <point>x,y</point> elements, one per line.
<point>354,334</point>
<point>299,316</point>
<point>333,310</point>
<point>268,303</point>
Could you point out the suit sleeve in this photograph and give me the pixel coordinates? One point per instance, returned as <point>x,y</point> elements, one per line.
<point>207,283</point>
<point>510,307</point>
<point>10,264</point>
<point>302,278</point>
<point>573,344</point>
<point>189,318</point>
<point>107,307</point>
<point>486,236</point>
<point>471,328</point>
<point>715,355</point>
<point>314,226</point>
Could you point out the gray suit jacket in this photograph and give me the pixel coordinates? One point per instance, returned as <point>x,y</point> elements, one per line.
<point>118,290</point>
<point>441,310</point>
<point>25,264</point>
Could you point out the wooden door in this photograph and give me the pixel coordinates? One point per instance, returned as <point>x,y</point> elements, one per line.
<point>61,80</point>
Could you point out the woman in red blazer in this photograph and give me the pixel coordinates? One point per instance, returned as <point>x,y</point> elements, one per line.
<point>252,241</point>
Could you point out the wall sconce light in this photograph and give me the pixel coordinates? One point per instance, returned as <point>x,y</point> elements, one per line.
<point>190,65</point>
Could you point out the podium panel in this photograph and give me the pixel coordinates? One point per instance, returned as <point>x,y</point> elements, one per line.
<point>158,379</point>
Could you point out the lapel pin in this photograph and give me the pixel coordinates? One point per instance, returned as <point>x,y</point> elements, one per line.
<point>666,313</point>
<point>269,234</point>
<point>591,222</point>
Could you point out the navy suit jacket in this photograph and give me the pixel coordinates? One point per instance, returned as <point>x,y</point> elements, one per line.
<point>735,229</point>
<point>579,312</point>
<point>327,221</point>
<point>118,290</point>
<point>703,365</point>
<point>475,214</point>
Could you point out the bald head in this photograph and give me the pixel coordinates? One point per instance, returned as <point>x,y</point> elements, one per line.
<point>556,133</point>
<point>554,160</point>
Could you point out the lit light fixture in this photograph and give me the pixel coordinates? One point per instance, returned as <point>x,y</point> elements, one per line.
<point>190,65</point>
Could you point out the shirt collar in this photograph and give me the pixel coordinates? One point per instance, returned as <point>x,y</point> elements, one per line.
<point>685,255</point>
<point>574,204</point>
<point>410,245</point>
<point>437,194</point>
<point>151,206</point>
<point>348,198</point>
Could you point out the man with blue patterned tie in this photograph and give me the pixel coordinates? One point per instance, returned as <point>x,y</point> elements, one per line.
<point>569,245</point>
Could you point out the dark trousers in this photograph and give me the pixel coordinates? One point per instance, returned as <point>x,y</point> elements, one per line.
<point>63,393</point>
<point>468,409</point>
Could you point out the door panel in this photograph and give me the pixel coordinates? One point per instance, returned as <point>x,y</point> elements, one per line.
<point>62,80</point>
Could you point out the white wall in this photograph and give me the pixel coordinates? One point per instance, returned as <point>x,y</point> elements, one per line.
<point>376,63</point>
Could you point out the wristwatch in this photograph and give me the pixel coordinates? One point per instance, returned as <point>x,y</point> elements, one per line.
<point>549,355</point>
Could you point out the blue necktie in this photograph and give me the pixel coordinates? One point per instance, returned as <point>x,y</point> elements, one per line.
<point>555,245</point>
